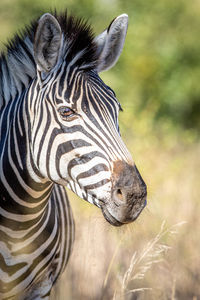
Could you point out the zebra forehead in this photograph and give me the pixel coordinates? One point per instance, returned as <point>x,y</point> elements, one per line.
<point>85,86</point>
<point>78,39</point>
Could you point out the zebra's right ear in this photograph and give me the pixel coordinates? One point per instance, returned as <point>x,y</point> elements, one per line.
<point>47,43</point>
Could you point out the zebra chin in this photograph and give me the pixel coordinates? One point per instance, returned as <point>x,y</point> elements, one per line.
<point>110,218</point>
<point>122,215</point>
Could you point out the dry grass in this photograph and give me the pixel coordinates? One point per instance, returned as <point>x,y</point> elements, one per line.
<point>152,253</point>
<point>135,261</point>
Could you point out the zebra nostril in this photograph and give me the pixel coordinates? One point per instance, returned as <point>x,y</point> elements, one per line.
<point>118,195</point>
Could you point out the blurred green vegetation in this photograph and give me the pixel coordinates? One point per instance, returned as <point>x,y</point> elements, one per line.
<point>157,76</point>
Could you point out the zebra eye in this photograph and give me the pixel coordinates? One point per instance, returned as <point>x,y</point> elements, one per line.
<point>66,113</point>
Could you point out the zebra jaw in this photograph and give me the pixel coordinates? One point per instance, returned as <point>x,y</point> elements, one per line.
<point>123,198</point>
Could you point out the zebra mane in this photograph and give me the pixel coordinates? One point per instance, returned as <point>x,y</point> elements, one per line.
<point>17,64</point>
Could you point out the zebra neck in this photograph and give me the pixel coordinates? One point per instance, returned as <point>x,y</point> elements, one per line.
<point>22,188</point>
<point>22,201</point>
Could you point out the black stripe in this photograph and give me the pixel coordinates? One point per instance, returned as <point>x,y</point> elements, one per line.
<point>83,159</point>
<point>93,171</point>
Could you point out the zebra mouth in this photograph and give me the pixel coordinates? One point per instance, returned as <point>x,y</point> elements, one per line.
<point>127,218</point>
<point>112,220</point>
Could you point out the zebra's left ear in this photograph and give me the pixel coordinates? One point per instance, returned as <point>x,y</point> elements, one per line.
<point>110,43</point>
<point>47,43</point>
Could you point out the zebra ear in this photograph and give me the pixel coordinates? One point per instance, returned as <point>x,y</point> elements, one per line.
<point>47,43</point>
<point>110,43</point>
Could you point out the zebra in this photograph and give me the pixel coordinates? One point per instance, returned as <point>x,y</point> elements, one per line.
<point>58,128</point>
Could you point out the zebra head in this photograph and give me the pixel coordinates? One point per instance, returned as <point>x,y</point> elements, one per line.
<point>75,133</point>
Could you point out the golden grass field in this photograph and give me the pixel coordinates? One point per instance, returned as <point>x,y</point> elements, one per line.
<point>156,257</point>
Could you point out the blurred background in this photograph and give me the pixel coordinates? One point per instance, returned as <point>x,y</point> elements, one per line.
<point>157,82</point>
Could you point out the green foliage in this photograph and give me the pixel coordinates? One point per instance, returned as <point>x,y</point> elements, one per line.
<point>168,61</point>
<point>157,76</point>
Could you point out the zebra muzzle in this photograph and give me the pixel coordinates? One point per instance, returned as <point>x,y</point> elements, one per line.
<point>128,196</point>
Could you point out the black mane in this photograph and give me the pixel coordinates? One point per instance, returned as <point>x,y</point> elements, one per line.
<point>81,37</point>
<point>17,64</point>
